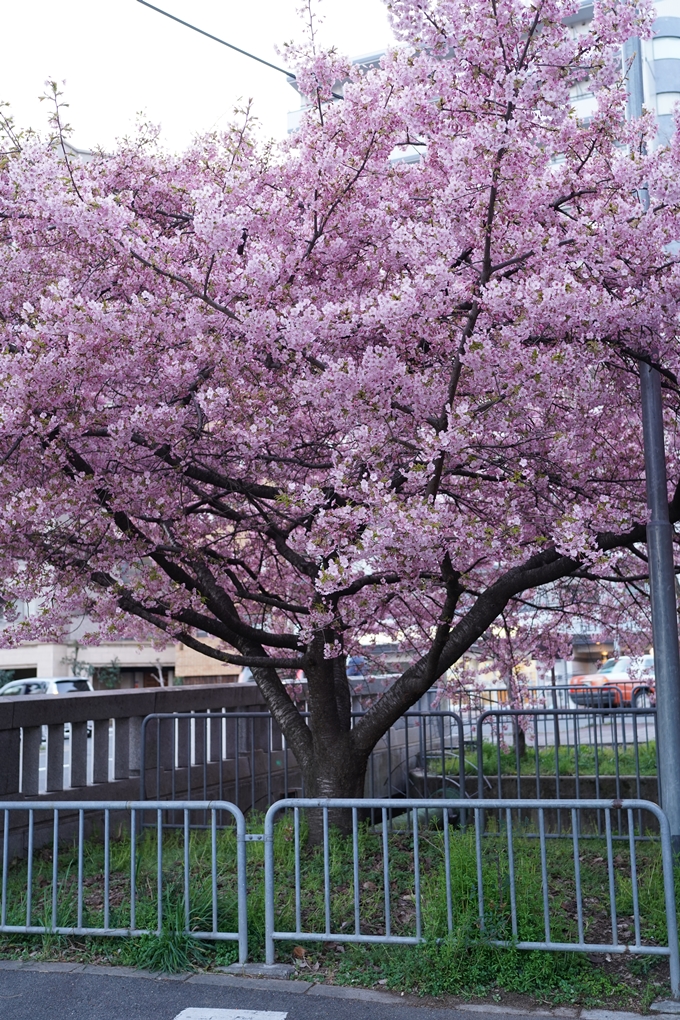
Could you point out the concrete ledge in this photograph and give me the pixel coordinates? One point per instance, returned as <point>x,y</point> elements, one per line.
<point>365,994</point>
<point>260,970</point>
<point>268,984</point>
<point>607,1014</point>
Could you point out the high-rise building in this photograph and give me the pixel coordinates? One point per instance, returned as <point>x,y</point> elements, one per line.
<point>654,74</point>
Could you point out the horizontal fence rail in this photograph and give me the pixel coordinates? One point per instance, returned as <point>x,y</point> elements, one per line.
<point>137,880</point>
<point>337,908</point>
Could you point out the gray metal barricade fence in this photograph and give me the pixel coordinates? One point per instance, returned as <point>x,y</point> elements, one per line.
<point>507,921</point>
<point>581,753</point>
<point>472,702</point>
<point>242,757</point>
<point>139,879</point>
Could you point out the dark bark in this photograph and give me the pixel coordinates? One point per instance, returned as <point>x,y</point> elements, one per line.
<point>333,754</point>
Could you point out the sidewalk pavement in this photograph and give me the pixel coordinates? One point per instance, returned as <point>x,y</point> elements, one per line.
<point>66,991</point>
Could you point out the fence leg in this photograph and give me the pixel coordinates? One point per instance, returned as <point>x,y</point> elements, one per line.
<point>269,888</point>
<point>671,916</point>
<point>241,878</point>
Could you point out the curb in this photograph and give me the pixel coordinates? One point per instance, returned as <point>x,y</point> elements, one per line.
<point>295,987</point>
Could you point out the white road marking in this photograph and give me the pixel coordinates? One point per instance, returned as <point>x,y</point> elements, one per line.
<point>202,1013</point>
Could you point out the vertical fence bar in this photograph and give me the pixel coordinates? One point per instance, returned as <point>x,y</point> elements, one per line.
<point>187,873</point>
<point>447,872</point>
<point>107,867</point>
<point>55,866</point>
<point>633,876</point>
<point>386,874</point>
<point>416,872</point>
<point>669,897</point>
<point>355,871</point>
<point>480,873</point>
<point>81,840</point>
<point>133,869</point>
<point>29,874</point>
<point>159,867</point>
<point>544,874</point>
<point>326,873</point>
<point>298,891</point>
<point>213,867</point>
<point>610,869</point>
<point>269,886</point>
<point>577,874</point>
<point>252,764</point>
<point>511,870</point>
<point>241,865</point>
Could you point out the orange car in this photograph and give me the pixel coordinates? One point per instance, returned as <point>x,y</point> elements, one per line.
<point>619,683</point>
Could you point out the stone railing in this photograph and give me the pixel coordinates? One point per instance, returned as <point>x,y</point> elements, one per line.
<point>88,746</point>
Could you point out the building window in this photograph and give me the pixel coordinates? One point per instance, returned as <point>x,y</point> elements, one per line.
<point>583,102</point>
<point>665,102</point>
<point>666,47</point>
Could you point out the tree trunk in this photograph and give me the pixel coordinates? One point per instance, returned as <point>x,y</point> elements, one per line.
<point>520,738</point>
<point>336,770</point>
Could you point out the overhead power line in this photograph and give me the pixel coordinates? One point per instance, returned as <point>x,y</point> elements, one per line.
<point>215,38</point>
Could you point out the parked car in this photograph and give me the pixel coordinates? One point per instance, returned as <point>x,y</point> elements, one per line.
<point>55,685</point>
<point>623,682</point>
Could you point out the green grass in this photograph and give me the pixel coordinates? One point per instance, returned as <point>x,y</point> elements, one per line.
<point>458,963</point>
<point>602,759</point>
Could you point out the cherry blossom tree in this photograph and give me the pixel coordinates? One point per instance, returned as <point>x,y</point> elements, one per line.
<point>290,397</point>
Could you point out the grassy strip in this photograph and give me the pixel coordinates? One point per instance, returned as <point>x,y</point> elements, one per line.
<point>458,963</point>
<point>603,759</point>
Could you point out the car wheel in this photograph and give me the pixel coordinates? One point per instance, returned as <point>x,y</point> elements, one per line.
<point>643,698</point>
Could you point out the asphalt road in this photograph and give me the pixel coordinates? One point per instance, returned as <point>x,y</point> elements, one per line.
<point>34,995</point>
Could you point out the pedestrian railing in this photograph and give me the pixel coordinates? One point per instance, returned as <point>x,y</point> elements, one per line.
<point>107,874</point>
<point>580,753</point>
<point>512,907</point>
<point>243,757</point>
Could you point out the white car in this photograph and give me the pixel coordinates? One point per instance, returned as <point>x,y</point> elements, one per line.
<point>55,685</point>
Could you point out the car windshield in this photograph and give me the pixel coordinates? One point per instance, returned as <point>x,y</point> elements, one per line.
<point>69,686</point>
<point>608,666</point>
<point>18,689</point>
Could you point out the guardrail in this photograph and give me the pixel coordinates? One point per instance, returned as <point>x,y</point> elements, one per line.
<point>501,853</point>
<point>243,756</point>
<point>71,904</point>
<point>126,882</point>
<point>577,753</point>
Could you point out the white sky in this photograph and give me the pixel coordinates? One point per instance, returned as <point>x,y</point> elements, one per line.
<point>120,58</point>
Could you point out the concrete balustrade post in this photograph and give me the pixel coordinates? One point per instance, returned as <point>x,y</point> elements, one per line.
<point>30,767</point>
<point>10,751</point>
<point>121,748</point>
<point>135,739</point>
<point>216,725</point>
<point>100,754</point>
<point>78,754</point>
<point>200,731</point>
<point>183,738</point>
<point>166,744</point>
<point>55,757</point>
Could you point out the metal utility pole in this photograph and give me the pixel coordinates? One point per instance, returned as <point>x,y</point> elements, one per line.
<point>659,544</point>
<point>664,609</point>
